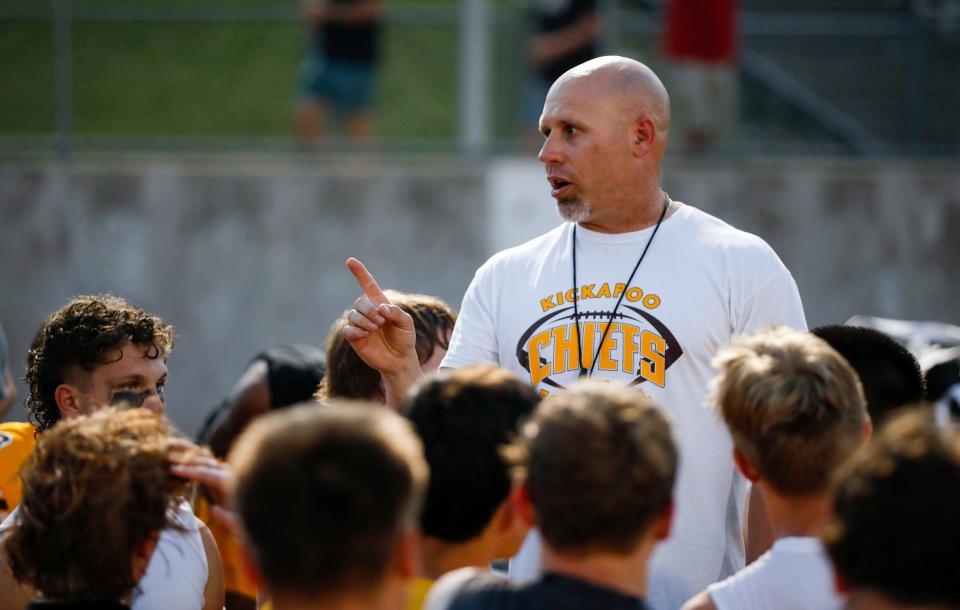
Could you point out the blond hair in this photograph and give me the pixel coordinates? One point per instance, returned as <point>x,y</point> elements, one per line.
<point>794,407</point>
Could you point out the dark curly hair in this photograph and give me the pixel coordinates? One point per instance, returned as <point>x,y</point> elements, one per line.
<point>94,491</point>
<point>85,333</point>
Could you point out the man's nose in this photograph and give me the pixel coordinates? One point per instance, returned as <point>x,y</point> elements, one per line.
<point>550,152</point>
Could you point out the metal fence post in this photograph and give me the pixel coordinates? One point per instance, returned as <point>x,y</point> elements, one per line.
<point>916,89</point>
<point>474,79</point>
<point>63,75</point>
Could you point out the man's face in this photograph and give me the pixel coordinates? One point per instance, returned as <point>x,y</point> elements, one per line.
<point>585,146</point>
<point>132,379</point>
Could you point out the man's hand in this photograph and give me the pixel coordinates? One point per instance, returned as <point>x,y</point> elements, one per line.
<point>381,333</point>
<point>383,336</point>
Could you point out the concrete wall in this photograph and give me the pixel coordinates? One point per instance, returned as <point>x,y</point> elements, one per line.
<point>242,253</point>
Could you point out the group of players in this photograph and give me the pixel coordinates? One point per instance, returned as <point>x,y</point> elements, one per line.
<point>346,504</point>
<point>727,459</point>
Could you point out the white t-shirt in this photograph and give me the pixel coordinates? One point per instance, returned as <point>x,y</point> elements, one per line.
<point>793,575</point>
<point>702,282</point>
<point>177,573</point>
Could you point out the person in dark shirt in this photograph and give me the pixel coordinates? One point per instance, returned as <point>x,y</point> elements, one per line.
<point>598,465</point>
<point>276,378</point>
<point>8,392</point>
<point>890,375</point>
<point>339,72</point>
<point>566,33</point>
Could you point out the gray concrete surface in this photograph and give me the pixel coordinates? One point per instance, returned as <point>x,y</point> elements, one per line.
<point>240,253</point>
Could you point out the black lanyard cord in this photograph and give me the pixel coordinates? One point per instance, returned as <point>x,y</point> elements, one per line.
<point>576,297</point>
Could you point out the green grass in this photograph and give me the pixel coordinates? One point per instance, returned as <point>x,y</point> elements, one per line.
<point>142,78</point>
<point>26,78</point>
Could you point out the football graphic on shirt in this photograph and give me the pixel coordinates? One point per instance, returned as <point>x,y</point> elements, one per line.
<point>633,346</point>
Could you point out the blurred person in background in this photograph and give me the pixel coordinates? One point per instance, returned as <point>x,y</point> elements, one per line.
<point>278,377</point>
<point>566,33</point>
<point>338,76</point>
<point>348,376</point>
<point>97,499</point>
<point>465,419</point>
<point>796,412</point>
<point>352,479</point>
<point>894,535</point>
<point>596,468</point>
<point>700,42</point>
<point>890,375</point>
<point>93,352</point>
<point>8,392</point>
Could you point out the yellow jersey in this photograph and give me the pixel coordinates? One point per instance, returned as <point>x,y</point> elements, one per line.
<point>16,444</point>
<point>419,589</point>
<point>236,579</point>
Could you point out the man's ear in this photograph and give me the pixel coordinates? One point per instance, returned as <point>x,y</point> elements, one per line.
<point>664,523</point>
<point>520,497</point>
<point>643,135</point>
<point>745,467</point>
<point>67,398</point>
<point>867,428</point>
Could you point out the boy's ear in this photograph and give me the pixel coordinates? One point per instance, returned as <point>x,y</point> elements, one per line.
<point>68,400</point>
<point>840,583</point>
<point>406,559</point>
<point>143,553</point>
<point>510,528</point>
<point>250,565</point>
<point>745,467</point>
<point>521,502</point>
<point>664,523</point>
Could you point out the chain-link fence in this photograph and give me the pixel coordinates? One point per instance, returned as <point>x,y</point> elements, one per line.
<point>95,74</point>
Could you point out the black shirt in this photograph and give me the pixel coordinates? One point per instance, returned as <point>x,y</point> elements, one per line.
<point>354,42</point>
<point>551,592</point>
<point>550,16</point>
<point>82,605</point>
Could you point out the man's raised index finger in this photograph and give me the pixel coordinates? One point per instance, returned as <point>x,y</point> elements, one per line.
<point>369,285</point>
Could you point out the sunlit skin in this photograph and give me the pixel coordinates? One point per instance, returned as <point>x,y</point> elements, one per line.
<point>605,126</point>
<point>132,379</point>
<point>432,364</point>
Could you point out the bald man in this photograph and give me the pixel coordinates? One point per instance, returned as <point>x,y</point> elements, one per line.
<point>656,285</point>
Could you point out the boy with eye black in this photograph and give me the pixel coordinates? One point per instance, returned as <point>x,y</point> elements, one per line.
<point>93,352</point>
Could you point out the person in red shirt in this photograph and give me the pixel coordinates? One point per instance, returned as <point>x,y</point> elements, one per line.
<point>700,41</point>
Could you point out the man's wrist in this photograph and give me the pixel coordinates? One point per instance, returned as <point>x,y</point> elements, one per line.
<point>398,382</point>
<point>408,372</point>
